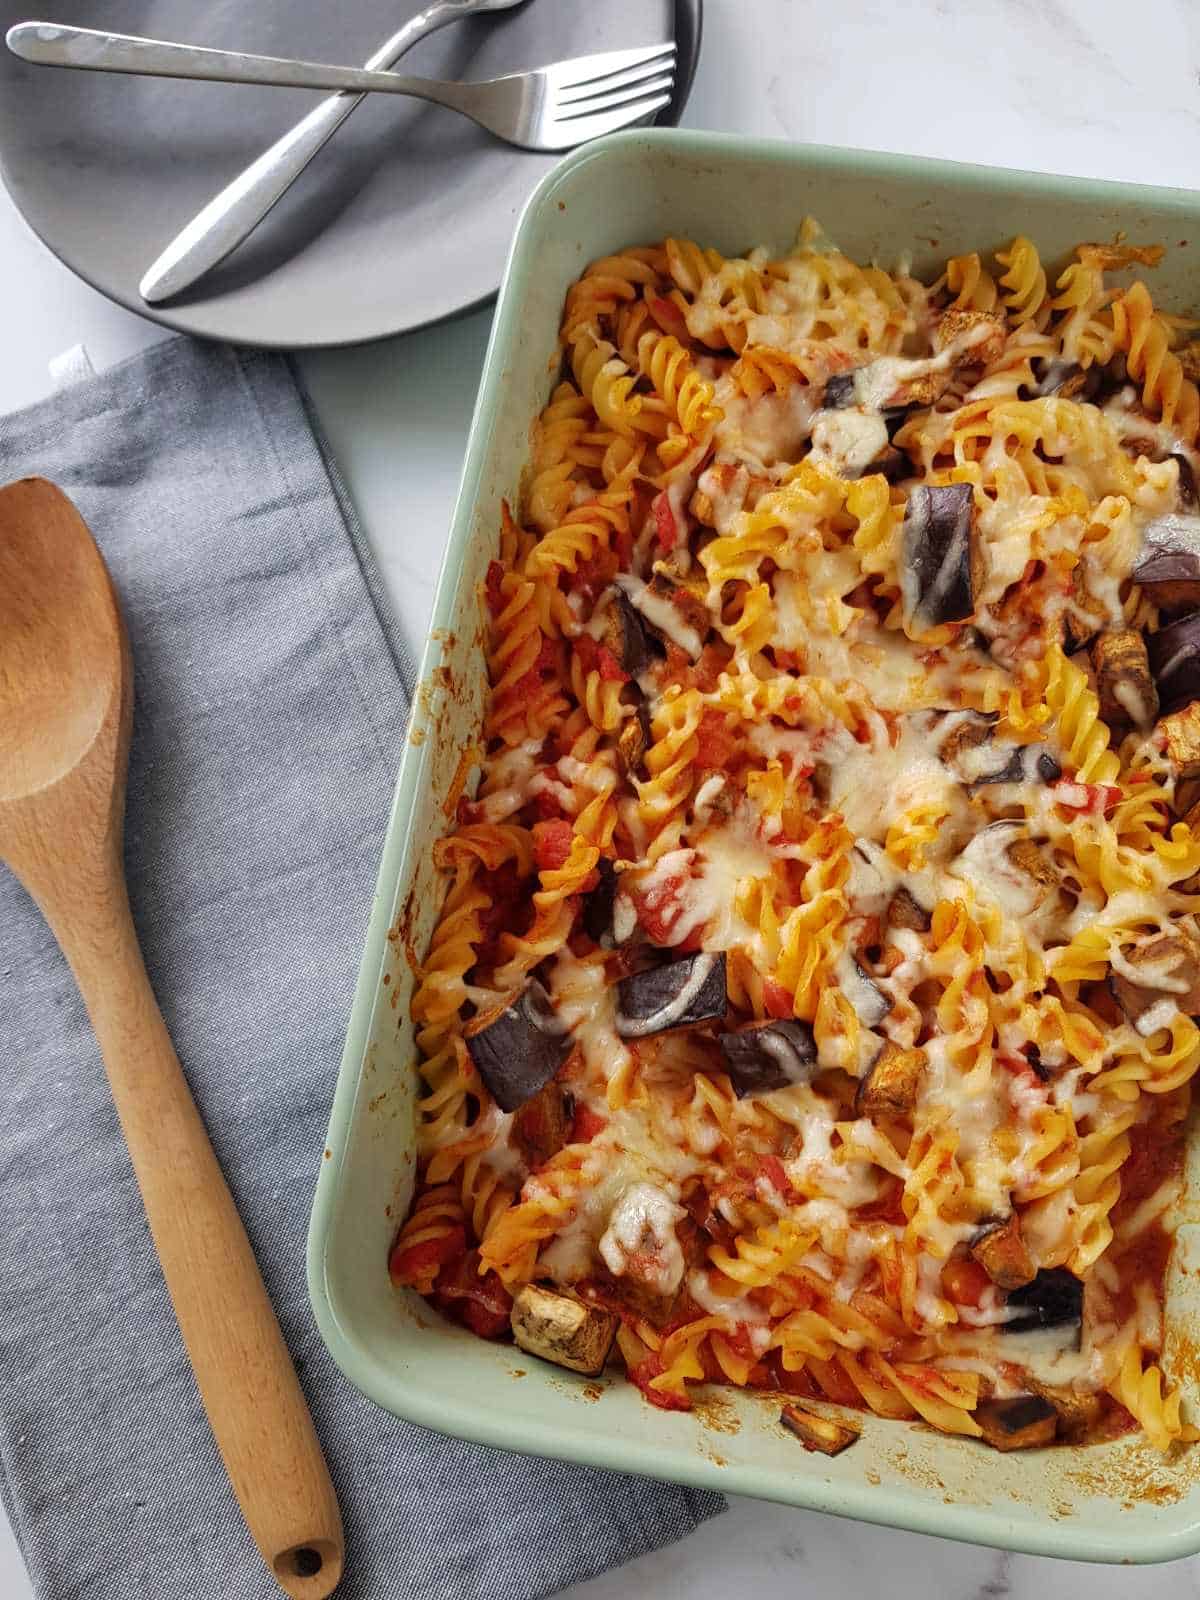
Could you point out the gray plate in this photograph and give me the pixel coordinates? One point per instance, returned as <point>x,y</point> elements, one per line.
<point>404,218</point>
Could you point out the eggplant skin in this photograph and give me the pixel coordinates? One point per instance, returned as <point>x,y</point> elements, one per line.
<point>626,635</point>
<point>840,392</point>
<point>769,1056</point>
<point>598,902</point>
<point>518,1047</point>
<point>680,994</point>
<point>634,740</point>
<point>940,556</point>
<point>1022,1423</point>
<point>1054,1299</point>
<point>1174,654</point>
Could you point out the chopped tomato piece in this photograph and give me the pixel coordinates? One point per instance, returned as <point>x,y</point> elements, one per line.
<point>599,658</point>
<point>773,1171</point>
<point>887,1208</point>
<point>585,647</point>
<point>1093,799</point>
<point>714,660</point>
<point>552,844</point>
<point>666,529</point>
<point>480,1303</point>
<point>715,744</point>
<point>965,1282</point>
<point>776,1000</point>
<point>547,804</point>
<point>586,1124</point>
<point>668,315</point>
<point>485,1322</point>
<point>545,666</point>
<point>659,910</point>
<point>594,574</point>
<point>609,667</point>
<point>503,912</point>
<point>495,577</point>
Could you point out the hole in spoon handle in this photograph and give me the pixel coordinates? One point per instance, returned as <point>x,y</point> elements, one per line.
<point>309,1571</point>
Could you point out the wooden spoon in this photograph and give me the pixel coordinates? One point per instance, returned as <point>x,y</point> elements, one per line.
<point>66,697</point>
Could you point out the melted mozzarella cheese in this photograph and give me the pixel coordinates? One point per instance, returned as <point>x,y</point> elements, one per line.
<point>766,430</point>
<point>848,440</point>
<point>640,1238</point>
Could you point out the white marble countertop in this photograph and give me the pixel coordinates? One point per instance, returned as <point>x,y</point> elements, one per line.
<point>1093,87</point>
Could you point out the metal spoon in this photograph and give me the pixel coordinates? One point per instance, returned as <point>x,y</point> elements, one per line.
<point>66,698</point>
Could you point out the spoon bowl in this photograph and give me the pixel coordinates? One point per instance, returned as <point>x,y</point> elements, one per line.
<point>62,645</point>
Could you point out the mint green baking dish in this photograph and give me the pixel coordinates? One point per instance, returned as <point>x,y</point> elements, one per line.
<point>1115,1502</point>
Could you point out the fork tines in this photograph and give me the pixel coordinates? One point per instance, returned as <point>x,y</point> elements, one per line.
<point>619,86</point>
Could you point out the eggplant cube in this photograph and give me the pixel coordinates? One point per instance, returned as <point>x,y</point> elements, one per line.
<point>543,1124</point>
<point>1170,957</point>
<point>769,1056</point>
<point>967,731</point>
<point>819,1433</point>
<point>941,558</point>
<point>1003,1254</point>
<point>1079,1410</point>
<point>905,912</point>
<point>680,994</point>
<point>1022,1423</point>
<point>518,1047</point>
<point>1181,730</point>
<point>1067,379</point>
<point>1168,568</point>
<point>981,335</point>
<point>890,1087</point>
<point>1027,857</point>
<point>561,1329</point>
<point>634,740</point>
<point>1127,691</point>
<point>1187,481</point>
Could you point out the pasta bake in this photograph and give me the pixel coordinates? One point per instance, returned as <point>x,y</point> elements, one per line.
<point>811,1008</point>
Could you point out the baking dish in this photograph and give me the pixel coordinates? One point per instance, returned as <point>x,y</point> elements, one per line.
<point>1114,1502</point>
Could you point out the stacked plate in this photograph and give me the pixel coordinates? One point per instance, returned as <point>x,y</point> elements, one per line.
<point>404,218</point>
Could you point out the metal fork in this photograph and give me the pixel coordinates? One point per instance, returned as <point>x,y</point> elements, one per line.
<point>550,108</point>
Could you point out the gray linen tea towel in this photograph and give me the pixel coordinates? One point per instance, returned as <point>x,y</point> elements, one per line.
<point>269,716</point>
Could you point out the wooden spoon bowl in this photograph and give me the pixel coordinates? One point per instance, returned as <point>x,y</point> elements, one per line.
<point>65,717</point>
<point>52,700</point>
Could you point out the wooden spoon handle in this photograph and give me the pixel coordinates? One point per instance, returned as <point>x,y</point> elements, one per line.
<point>254,1402</point>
